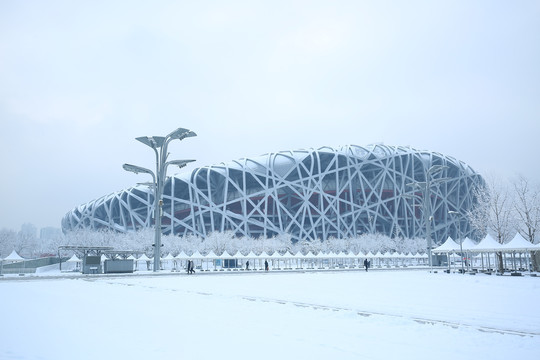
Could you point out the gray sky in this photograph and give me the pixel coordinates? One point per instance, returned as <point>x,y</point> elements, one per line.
<point>79,80</point>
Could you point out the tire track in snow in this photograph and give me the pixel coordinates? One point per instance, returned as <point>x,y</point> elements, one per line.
<point>423,321</point>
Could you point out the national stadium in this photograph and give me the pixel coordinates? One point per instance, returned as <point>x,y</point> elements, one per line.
<point>312,194</point>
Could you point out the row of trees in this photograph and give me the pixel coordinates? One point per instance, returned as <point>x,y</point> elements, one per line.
<point>26,243</point>
<point>504,208</point>
<point>227,241</point>
<point>216,242</point>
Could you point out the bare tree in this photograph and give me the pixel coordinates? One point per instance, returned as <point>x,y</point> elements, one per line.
<point>527,207</point>
<point>493,213</point>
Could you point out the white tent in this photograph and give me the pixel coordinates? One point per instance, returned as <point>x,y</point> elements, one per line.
<point>519,244</point>
<point>168,257</point>
<point>449,246</point>
<point>198,255</point>
<point>74,259</point>
<point>467,244</point>
<point>143,258</point>
<point>182,256</point>
<point>488,244</point>
<point>225,255</point>
<point>252,255</point>
<point>239,255</point>
<point>13,257</point>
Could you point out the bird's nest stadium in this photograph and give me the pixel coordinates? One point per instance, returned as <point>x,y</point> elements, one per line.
<point>309,194</point>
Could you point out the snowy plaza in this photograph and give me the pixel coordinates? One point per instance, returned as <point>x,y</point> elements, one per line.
<point>380,314</point>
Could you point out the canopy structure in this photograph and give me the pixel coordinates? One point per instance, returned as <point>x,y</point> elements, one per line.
<point>449,246</point>
<point>518,244</point>
<point>239,255</point>
<point>13,257</point>
<point>143,258</point>
<point>182,256</point>
<point>198,255</point>
<point>225,255</point>
<point>467,244</point>
<point>74,259</point>
<point>488,244</point>
<point>168,257</point>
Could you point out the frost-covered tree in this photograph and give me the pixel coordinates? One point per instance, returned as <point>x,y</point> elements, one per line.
<point>8,239</point>
<point>26,244</point>
<point>493,213</point>
<point>527,208</point>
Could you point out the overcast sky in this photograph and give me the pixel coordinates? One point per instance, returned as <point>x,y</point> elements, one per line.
<point>79,80</point>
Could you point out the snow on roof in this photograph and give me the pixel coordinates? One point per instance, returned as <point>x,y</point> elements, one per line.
<point>467,244</point>
<point>168,257</point>
<point>226,255</point>
<point>13,256</point>
<point>74,258</point>
<point>182,256</point>
<point>143,258</point>
<point>449,246</point>
<point>518,243</point>
<point>487,244</point>
<point>198,255</point>
<point>251,255</point>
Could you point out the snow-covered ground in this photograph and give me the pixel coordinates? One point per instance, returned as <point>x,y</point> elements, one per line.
<point>402,314</point>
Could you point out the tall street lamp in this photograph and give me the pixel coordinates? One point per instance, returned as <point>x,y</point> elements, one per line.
<point>453,213</point>
<point>425,187</point>
<point>159,144</point>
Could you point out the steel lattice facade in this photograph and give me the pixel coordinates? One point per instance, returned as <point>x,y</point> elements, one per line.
<point>309,194</point>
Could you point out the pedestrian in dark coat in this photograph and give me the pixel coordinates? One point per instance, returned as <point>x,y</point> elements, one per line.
<point>192,270</point>
<point>366,264</point>
<point>247,265</point>
<point>266,265</point>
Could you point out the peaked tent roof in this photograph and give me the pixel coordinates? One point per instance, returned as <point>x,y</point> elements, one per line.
<point>143,258</point>
<point>182,256</point>
<point>468,244</point>
<point>518,243</point>
<point>74,258</point>
<point>226,255</point>
<point>168,257</point>
<point>13,256</point>
<point>198,255</point>
<point>448,246</point>
<point>487,244</point>
<point>287,255</point>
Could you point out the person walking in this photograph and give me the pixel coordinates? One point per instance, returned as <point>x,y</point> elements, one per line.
<point>366,264</point>
<point>266,265</point>
<point>247,265</point>
<point>192,271</point>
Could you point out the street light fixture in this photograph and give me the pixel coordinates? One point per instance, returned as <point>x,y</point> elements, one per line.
<point>453,213</point>
<point>159,144</point>
<point>425,187</point>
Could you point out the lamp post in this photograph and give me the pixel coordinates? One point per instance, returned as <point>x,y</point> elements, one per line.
<point>453,213</point>
<point>159,144</point>
<point>425,187</point>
